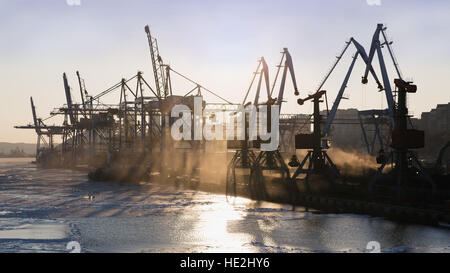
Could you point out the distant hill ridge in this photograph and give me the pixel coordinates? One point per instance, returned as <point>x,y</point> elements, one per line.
<point>28,148</point>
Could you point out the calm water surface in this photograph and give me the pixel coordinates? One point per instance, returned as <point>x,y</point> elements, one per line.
<point>43,210</point>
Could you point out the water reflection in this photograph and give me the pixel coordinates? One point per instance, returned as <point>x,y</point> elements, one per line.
<point>249,226</point>
<point>235,226</point>
<point>212,225</point>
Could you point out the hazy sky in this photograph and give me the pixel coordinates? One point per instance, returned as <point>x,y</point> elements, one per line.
<point>216,43</point>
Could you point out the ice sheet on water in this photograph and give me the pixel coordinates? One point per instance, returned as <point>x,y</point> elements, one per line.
<point>35,235</point>
<point>32,229</point>
<point>42,210</point>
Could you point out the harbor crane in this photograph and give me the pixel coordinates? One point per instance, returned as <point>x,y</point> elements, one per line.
<point>244,157</point>
<point>317,141</point>
<point>44,154</point>
<point>375,47</point>
<point>318,159</point>
<point>273,160</point>
<point>407,169</point>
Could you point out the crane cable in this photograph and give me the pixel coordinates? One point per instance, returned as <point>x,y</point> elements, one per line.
<point>199,85</point>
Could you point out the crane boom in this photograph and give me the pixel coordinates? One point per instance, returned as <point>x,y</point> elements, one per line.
<point>333,111</point>
<point>263,71</point>
<point>35,119</point>
<point>391,52</point>
<point>386,82</point>
<point>157,64</point>
<point>82,91</point>
<point>338,58</point>
<point>375,47</point>
<point>372,51</point>
<point>258,90</point>
<point>360,51</point>
<point>69,99</point>
<point>288,65</point>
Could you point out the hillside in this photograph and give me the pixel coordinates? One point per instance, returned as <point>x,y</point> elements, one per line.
<point>28,148</point>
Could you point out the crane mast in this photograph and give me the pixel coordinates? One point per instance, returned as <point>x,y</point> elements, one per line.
<point>376,48</point>
<point>83,93</point>
<point>35,119</point>
<point>69,100</point>
<point>159,69</point>
<point>263,71</point>
<point>288,66</point>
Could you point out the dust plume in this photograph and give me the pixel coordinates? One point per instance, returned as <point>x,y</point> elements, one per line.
<point>353,163</point>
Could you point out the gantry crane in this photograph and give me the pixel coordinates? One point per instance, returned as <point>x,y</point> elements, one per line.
<point>272,160</point>
<point>403,139</point>
<point>317,158</point>
<point>317,141</point>
<point>44,155</point>
<point>407,169</point>
<point>38,125</point>
<point>376,47</point>
<point>74,132</point>
<point>244,156</point>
